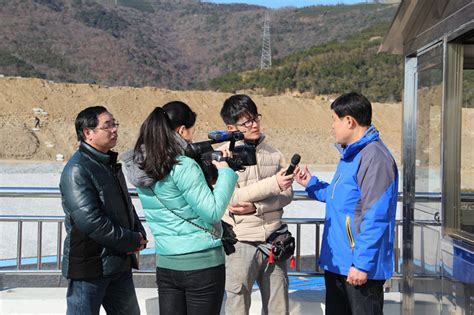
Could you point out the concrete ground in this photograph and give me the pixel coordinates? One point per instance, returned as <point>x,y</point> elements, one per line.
<point>52,301</point>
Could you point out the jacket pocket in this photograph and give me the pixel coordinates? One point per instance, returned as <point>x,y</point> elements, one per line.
<point>335,184</point>
<point>83,246</point>
<point>350,236</point>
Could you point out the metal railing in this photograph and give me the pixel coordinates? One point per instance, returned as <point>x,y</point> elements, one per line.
<point>20,220</point>
<point>29,192</point>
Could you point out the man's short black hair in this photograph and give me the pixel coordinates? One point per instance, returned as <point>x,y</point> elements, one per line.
<point>237,106</point>
<point>355,105</point>
<point>88,118</point>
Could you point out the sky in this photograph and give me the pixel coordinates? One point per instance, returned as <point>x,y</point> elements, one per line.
<point>286,3</point>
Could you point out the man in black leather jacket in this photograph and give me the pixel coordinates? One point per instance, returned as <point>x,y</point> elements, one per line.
<point>103,229</point>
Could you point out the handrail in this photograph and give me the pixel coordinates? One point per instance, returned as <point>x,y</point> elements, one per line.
<point>49,192</point>
<point>317,222</point>
<point>60,220</point>
<point>53,192</point>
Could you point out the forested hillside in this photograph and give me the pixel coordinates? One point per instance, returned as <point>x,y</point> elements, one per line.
<point>178,44</point>
<point>334,67</point>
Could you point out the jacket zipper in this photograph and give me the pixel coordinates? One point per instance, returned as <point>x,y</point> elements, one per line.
<point>335,184</point>
<point>349,233</point>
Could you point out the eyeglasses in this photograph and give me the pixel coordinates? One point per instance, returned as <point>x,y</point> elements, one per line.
<point>249,123</point>
<point>109,127</point>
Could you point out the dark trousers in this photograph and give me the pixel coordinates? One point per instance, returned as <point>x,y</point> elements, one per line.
<point>116,293</point>
<point>191,292</point>
<point>343,298</point>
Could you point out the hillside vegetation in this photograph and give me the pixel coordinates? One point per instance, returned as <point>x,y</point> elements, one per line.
<point>174,44</point>
<point>334,67</point>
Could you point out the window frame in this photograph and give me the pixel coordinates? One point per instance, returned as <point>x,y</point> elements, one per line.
<point>451,138</point>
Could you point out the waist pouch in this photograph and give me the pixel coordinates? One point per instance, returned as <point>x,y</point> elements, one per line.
<point>279,246</point>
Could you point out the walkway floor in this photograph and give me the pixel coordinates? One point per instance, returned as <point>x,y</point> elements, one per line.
<point>52,301</point>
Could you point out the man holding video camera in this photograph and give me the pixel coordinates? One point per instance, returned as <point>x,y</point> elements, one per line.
<point>255,212</point>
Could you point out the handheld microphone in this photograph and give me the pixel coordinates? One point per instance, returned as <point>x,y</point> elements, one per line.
<point>295,160</point>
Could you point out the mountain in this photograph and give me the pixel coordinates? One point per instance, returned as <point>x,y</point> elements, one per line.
<point>331,68</point>
<point>178,44</point>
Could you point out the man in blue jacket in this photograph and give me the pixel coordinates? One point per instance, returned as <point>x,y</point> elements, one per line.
<point>361,201</point>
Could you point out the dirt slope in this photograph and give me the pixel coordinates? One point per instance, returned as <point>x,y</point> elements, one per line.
<point>293,124</point>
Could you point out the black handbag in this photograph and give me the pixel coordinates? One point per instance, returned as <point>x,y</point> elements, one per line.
<point>228,238</point>
<point>280,246</point>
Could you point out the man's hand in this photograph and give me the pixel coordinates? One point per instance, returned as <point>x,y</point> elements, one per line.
<point>284,181</point>
<point>243,207</point>
<point>302,176</point>
<point>143,242</point>
<point>356,277</point>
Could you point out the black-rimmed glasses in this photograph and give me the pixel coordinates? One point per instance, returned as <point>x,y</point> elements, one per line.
<point>249,123</point>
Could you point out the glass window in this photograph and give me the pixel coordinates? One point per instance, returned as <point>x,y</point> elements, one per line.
<point>428,164</point>
<point>428,131</point>
<point>467,142</point>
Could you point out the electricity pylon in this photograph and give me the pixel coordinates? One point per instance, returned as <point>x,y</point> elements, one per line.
<point>266,59</point>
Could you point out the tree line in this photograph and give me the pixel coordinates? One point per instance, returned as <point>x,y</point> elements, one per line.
<point>331,68</point>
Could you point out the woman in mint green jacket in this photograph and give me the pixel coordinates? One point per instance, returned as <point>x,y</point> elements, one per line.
<point>182,212</point>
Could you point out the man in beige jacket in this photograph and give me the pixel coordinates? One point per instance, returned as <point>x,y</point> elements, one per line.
<point>255,212</point>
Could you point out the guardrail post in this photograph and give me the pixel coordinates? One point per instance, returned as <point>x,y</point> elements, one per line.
<point>396,250</point>
<point>298,247</point>
<point>18,244</point>
<point>317,247</point>
<point>59,245</point>
<point>39,243</point>
<point>422,249</point>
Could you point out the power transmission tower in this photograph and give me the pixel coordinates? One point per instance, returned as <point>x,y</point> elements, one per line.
<point>266,59</point>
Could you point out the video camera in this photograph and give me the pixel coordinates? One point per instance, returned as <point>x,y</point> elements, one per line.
<point>203,153</point>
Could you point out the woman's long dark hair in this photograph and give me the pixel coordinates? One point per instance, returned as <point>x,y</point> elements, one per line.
<point>179,114</point>
<point>157,146</point>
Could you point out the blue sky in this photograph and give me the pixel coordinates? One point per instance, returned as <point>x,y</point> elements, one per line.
<point>285,3</point>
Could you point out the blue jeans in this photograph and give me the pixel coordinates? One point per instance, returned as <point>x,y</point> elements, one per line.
<point>193,292</point>
<point>116,293</point>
